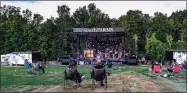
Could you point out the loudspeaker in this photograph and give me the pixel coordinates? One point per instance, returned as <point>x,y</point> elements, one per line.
<point>64,42</point>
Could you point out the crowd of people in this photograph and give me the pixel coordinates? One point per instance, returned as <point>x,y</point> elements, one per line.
<point>72,68</point>
<point>37,66</point>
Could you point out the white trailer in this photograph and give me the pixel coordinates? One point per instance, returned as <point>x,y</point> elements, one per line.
<point>4,59</point>
<point>180,56</point>
<point>18,58</point>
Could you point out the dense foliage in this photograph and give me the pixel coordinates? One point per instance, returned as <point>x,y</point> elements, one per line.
<point>24,31</point>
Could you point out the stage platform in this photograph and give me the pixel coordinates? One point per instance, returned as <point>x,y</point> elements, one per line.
<point>93,61</point>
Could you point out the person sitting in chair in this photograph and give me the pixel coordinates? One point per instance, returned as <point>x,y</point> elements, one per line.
<point>36,65</point>
<point>156,68</point>
<point>41,66</point>
<point>72,73</point>
<point>174,67</point>
<point>98,66</point>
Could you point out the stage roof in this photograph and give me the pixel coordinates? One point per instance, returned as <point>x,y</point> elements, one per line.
<point>98,30</point>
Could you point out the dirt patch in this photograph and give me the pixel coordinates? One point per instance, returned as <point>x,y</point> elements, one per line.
<point>123,82</point>
<point>41,88</point>
<point>52,73</point>
<point>51,79</point>
<point>19,89</point>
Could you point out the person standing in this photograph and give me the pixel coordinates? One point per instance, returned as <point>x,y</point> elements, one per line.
<point>109,65</point>
<point>143,60</point>
<point>116,53</point>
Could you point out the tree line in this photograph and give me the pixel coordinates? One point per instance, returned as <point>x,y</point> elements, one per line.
<point>149,35</point>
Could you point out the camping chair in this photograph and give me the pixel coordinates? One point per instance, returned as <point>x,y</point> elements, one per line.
<point>156,69</point>
<point>36,68</point>
<point>70,74</point>
<point>176,69</point>
<point>99,75</point>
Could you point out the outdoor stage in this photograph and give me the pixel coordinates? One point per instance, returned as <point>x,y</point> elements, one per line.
<point>94,44</point>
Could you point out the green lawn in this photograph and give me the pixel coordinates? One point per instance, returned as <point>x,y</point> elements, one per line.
<point>53,76</point>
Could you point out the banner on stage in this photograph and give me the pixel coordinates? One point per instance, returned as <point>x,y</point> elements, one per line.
<point>98,29</point>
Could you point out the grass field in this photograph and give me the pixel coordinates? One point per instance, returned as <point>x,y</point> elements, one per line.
<point>14,78</point>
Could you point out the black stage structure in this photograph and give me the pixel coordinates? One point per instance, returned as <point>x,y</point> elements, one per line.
<point>106,42</point>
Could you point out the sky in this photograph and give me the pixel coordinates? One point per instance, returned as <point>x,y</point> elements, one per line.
<point>113,8</point>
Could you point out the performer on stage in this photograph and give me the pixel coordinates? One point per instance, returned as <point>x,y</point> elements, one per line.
<point>116,52</point>
<point>129,53</point>
<point>119,51</point>
<point>113,54</point>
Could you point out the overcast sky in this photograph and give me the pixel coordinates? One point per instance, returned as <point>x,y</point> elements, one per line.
<point>114,8</point>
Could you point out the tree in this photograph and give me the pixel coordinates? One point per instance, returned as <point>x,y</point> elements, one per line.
<point>91,17</point>
<point>47,39</point>
<point>159,25</point>
<point>136,22</point>
<point>64,24</point>
<point>24,31</point>
<point>12,28</point>
<point>184,30</point>
<point>169,40</point>
<point>135,42</point>
<point>179,18</point>
<point>155,48</point>
<point>179,45</point>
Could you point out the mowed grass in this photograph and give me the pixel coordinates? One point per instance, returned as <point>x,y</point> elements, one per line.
<point>16,77</point>
<point>53,75</point>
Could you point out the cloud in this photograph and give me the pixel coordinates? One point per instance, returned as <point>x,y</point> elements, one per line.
<point>113,8</point>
